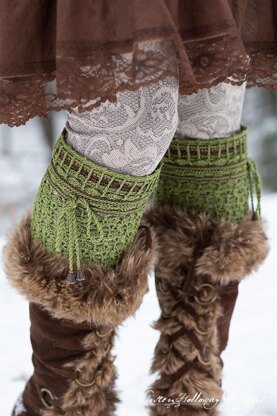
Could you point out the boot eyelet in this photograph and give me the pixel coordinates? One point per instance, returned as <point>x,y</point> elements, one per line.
<point>47,397</point>
<point>103,335</point>
<point>201,331</point>
<point>92,383</point>
<point>108,350</point>
<point>85,385</point>
<point>207,301</point>
<point>204,362</point>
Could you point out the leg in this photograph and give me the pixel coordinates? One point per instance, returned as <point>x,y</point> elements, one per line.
<point>132,135</point>
<point>211,113</point>
<point>208,242</point>
<point>83,256</point>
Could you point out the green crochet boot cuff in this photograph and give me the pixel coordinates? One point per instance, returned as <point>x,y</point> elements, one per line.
<point>85,212</point>
<point>212,176</point>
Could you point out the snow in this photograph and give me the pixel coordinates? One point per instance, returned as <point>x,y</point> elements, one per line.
<point>23,160</point>
<point>250,359</point>
<point>19,406</point>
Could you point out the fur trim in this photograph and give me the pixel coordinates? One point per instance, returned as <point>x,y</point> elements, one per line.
<point>170,356</point>
<point>107,296</point>
<point>101,397</point>
<point>235,251</point>
<point>231,251</point>
<point>194,251</point>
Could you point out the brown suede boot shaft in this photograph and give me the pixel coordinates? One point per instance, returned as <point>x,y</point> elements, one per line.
<point>73,326</point>
<point>56,343</point>
<point>228,299</point>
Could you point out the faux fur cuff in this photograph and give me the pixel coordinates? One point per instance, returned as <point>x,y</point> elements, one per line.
<point>107,296</point>
<point>225,252</point>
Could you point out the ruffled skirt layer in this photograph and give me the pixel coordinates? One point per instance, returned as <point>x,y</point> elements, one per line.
<point>92,49</point>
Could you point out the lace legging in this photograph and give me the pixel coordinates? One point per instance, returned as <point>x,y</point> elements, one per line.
<point>132,135</point>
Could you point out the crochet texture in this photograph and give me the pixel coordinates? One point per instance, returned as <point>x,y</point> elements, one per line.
<point>86,212</point>
<point>213,176</point>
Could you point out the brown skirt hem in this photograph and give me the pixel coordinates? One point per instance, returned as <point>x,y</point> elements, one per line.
<point>99,49</point>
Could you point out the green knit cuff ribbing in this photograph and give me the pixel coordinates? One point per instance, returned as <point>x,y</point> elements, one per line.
<point>213,176</point>
<point>85,212</point>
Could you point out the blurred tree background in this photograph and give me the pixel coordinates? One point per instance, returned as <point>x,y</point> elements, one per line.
<point>260,115</point>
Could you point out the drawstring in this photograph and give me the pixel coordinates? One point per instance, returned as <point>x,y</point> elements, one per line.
<point>255,185</point>
<point>68,216</point>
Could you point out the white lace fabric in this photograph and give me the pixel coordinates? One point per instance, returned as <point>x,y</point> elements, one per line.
<point>132,135</point>
<point>211,113</point>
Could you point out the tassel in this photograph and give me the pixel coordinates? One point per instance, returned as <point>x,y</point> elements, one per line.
<point>80,276</point>
<point>70,280</point>
<point>255,188</point>
<point>67,218</point>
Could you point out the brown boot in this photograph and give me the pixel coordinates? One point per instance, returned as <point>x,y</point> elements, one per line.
<point>73,326</point>
<point>199,269</point>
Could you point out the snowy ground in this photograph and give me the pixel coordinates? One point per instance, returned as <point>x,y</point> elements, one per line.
<point>250,360</point>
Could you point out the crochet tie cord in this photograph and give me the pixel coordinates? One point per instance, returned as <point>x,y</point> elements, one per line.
<point>86,212</point>
<point>208,242</point>
<point>85,228</point>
